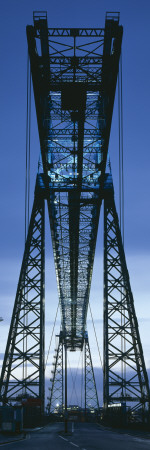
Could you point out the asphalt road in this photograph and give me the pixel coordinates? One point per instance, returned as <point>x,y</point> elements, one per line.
<point>81,436</point>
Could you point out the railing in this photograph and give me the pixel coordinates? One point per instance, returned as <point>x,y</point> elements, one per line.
<point>112,15</point>
<point>39,15</point>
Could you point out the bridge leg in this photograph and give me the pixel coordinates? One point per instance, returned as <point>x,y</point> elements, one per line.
<point>23,367</point>
<point>66,412</point>
<point>91,396</point>
<point>56,389</point>
<point>125,376</point>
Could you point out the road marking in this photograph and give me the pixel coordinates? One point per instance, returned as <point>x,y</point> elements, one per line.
<point>28,436</point>
<point>75,445</point>
<point>12,442</point>
<point>37,428</point>
<point>63,438</point>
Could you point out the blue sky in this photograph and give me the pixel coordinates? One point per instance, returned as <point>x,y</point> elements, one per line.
<point>134,16</point>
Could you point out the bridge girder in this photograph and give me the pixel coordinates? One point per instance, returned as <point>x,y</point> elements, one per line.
<point>74,77</point>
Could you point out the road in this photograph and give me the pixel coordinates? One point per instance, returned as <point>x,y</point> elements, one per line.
<point>81,436</point>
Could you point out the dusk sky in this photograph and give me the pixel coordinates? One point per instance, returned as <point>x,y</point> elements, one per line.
<point>135,18</point>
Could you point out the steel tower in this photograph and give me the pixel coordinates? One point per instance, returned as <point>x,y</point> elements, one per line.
<point>74,74</point>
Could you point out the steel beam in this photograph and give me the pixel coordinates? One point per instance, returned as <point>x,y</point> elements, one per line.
<point>74,93</point>
<point>91,396</point>
<point>55,400</point>
<point>125,375</point>
<point>23,370</point>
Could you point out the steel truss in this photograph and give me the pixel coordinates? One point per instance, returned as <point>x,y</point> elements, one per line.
<point>23,367</point>
<point>125,376</point>
<point>55,400</point>
<point>91,396</point>
<point>74,73</point>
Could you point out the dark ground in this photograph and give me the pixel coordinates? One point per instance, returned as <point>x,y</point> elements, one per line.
<point>87,436</point>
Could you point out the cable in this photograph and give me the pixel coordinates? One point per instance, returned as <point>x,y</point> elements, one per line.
<point>119,133</point>
<point>29,145</point>
<point>28,148</point>
<point>51,336</point>
<point>96,337</point>
<point>121,201</point>
<point>82,379</point>
<point>26,172</point>
<point>28,183</point>
<point>74,379</point>
<point>28,118</point>
<point>122,169</point>
<point>122,155</point>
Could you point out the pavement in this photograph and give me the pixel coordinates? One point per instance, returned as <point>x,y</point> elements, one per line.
<point>6,438</point>
<point>129,431</point>
<point>76,437</point>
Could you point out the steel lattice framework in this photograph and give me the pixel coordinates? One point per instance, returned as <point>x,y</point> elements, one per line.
<point>74,79</point>
<point>57,388</point>
<point>125,376</point>
<point>56,398</point>
<point>91,396</point>
<point>25,345</point>
<point>74,74</point>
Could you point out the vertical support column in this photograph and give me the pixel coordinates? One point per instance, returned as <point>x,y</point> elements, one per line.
<point>25,345</point>
<point>105,318</point>
<point>56,388</point>
<point>66,412</point>
<point>62,392</point>
<point>42,317</point>
<point>122,343</point>
<point>85,374</point>
<point>91,396</point>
